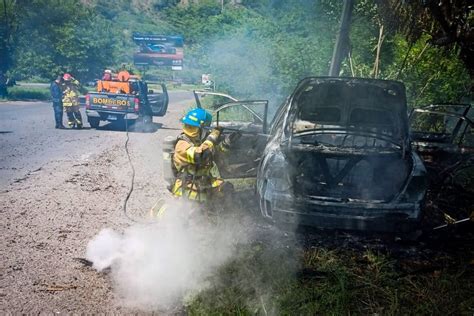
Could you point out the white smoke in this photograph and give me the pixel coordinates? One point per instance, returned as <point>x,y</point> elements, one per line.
<point>104,249</point>
<point>242,64</point>
<point>155,266</point>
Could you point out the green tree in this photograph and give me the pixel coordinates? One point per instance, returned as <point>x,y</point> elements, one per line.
<point>448,25</point>
<point>8,23</point>
<point>61,36</point>
<point>431,74</point>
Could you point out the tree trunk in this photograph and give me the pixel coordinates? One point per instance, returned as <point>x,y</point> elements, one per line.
<point>377,55</point>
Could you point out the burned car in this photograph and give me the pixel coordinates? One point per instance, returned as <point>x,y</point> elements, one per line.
<point>443,135</point>
<point>339,156</point>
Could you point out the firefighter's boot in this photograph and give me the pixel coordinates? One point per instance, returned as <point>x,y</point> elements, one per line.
<point>71,120</point>
<point>78,119</point>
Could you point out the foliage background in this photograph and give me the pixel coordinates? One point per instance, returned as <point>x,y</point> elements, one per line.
<point>258,49</point>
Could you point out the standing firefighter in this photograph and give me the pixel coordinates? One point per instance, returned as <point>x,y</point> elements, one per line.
<point>56,96</point>
<point>71,101</point>
<point>197,175</point>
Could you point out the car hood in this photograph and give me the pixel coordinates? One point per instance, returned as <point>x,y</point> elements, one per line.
<point>355,105</point>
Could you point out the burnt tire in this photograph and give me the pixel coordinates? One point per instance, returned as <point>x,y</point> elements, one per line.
<point>94,122</point>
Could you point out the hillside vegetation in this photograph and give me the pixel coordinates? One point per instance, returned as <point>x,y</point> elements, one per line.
<point>254,49</point>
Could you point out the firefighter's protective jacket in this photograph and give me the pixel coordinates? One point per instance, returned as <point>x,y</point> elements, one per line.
<point>71,94</point>
<point>196,169</point>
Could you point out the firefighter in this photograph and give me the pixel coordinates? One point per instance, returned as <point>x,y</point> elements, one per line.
<point>56,96</point>
<point>107,75</point>
<point>197,175</point>
<point>71,101</point>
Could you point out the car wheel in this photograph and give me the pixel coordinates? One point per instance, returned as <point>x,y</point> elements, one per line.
<point>94,122</point>
<point>147,120</point>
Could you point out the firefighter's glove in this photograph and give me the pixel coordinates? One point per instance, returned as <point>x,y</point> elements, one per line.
<point>230,139</point>
<point>214,135</point>
<point>219,128</point>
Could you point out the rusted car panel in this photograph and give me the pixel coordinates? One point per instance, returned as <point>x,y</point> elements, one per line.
<point>339,156</point>
<point>443,135</point>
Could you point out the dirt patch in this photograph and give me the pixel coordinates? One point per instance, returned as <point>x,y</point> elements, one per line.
<point>60,189</point>
<point>49,217</point>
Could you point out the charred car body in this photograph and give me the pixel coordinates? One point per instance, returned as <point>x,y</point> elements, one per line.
<point>339,156</point>
<point>443,135</point>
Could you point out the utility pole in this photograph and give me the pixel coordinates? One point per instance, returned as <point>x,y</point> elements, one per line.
<point>342,40</point>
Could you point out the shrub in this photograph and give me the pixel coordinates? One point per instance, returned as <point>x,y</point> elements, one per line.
<point>26,93</point>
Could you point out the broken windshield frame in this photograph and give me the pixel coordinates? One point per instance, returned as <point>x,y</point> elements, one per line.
<point>436,110</point>
<point>260,119</point>
<point>198,93</point>
<point>343,131</point>
<point>234,102</point>
<point>396,133</point>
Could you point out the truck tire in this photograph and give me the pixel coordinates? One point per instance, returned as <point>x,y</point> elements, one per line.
<point>94,122</point>
<point>147,120</point>
<point>146,123</point>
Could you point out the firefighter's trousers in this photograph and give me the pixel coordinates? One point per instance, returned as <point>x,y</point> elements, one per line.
<point>74,118</point>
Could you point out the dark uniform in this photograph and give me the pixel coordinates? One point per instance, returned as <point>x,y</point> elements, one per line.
<point>56,96</point>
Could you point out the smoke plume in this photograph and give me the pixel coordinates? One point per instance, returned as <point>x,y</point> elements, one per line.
<point>155,266</point>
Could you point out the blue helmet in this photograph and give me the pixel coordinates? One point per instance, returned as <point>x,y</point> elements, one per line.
<point>197,117</point>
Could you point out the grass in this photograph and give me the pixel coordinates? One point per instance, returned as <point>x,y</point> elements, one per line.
<point>267,279</point>
<point>28,93</point>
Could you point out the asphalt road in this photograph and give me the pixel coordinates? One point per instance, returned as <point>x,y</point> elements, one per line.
<point>58,189</point>
<point>28,139</point>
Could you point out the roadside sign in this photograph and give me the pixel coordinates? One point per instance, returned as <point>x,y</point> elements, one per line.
<point>206,79</point>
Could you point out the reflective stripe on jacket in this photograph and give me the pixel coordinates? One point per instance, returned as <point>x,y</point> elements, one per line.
<point>70,96</point>
<point>196,168</point>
